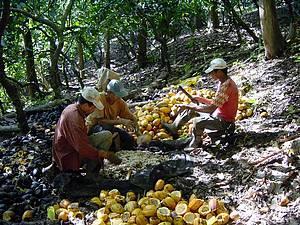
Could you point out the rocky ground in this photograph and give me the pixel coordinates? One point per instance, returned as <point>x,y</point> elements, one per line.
<point>257,175</point>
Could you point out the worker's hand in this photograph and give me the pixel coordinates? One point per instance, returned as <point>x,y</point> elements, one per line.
<point>112,158</point>
<point>126,122</point>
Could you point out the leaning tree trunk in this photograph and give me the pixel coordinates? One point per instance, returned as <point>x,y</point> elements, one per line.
<point>107,50</point>
<point>142,45</point>
<point>273,40</point>
<point>239,21</point>
<point>30,65</point>
<point>11,88</point>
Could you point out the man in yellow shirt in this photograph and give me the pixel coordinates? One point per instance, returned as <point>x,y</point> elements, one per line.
<point>115,112</point>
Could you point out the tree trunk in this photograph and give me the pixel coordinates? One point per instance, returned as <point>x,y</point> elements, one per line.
<point>91,51</point>
<point>54,79</point>
<point>11,88</point>
<point>292,28</point>
<point>239,21</point>
<point>164,54</point>
<point>273,40</point>
<point>107,50</point>
<point>142,45</point>
<point>80,59</point>
<point>213,22</point>
<point>30,65</point>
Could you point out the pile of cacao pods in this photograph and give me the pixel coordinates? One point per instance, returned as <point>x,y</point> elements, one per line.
<point>161,206</point>
<point>152,115</point>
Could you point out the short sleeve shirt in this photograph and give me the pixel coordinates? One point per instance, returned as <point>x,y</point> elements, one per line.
<point>118,109</point>
<point>226,100</point>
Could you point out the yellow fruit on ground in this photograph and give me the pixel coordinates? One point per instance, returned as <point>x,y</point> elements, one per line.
<point>58,211</point>
<point>114,192</point>
<point>249,112</point>
<point>165,223</point>
<point>178,220</point>
<point>64,203</point>
<point>117,208</point>
<point>211,221</point>
<point>143,201</point>
<point>181,208</point>
<point>98,222</point>
<point>204,210</point>
<point>97,201</point>
<point>169,202</point>
<point>102,211</point>
<point>149,118</point>
<point>193,196</point>
<point>114,215</point>
<point>209,215</point>
<point>116,221</point>
<point>159,185</point>
<point>160,195</point>
<point>189,217</point>
<point>141,220</point>
<point>130,196</point>
<point>131,220</point>
<point>195,203</point>
<point>221,207</point>
<point>27,215</point>
<point>73,207</point>
<point>163,213</point>
<point>103,217</point>
<point>120,199</point>
<point>176,195</point>
<point>150,193</point>
<point>63,216</point>
<point>222,218</point>
<point>264,114</point>
<point>149,210</point>
<point>110,202</point>
<point>8,215</point>
<point>162,135</point>
<point>168,188</point>
<point>137,211</point>
<point>153,220</point>
<point>155,115</point>
<point>144,123</point>
<point>165,110</point>
<point>154,201</point>
<point>199,221</point>
<point>130,206</point>
<point>77,214</point>
<point>156,122</point>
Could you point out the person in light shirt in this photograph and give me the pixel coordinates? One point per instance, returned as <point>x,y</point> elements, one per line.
<point>216,114</point>
<point>115,112</point>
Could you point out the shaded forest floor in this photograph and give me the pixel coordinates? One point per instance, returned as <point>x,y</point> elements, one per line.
<point>258,175</point>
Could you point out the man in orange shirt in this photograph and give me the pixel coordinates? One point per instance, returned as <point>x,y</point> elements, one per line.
<point>216,114</point>
<point>115,112</point>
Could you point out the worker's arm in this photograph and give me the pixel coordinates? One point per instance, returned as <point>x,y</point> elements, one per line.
<point>205,109</point>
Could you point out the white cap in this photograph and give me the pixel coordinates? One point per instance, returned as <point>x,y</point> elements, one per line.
<point>216,64</point>
<point>116,87</point>
<point>92,95</point>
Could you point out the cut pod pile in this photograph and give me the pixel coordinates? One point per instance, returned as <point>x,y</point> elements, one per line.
<point>161,206</point>
<point>152,115</point>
